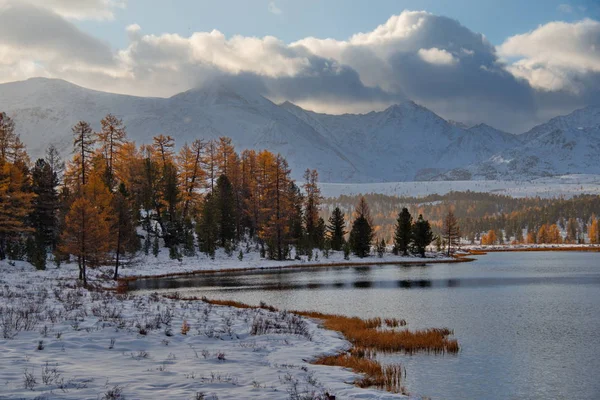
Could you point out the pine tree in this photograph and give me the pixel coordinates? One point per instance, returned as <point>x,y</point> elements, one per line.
<point>361,236</point>
<point>403,233</point>
<point>451,231</point>
<point>336,229</point>
<point>226,207</point>
<point>422,235</point>
<point>319,235</point>
<point>208,227</point>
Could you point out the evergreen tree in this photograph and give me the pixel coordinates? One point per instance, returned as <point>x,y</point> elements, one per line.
<point>403,233</point>
<point>319,235</point>
<point>336,229</point>
<point>422,236</point>
<point>44,215</point>
<point>361,234</point>
<point>226,208</point>
<point>208,227</point>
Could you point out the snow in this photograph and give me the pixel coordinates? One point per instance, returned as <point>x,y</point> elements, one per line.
<point>402,143</point>
<point>559,186</point>
<point>83,344</point>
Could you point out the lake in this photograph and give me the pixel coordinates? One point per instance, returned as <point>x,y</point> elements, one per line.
<point>528,323</point>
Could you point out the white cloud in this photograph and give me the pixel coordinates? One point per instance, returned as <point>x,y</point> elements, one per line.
<point>273,8</point>
<point>437,57</point>
<point>555,55</point>
<point>77,9</point>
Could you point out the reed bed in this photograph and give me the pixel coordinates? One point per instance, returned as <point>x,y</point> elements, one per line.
<point>368,336</point>
<point>388,377</point>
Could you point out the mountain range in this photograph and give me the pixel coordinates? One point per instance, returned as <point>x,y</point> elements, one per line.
<point>405,142</point>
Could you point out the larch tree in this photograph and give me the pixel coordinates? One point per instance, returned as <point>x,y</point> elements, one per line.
<point>86,235</point>
<point>83,144</point>
<point>225,200</point>
<point>451,231</point>
<point>123,227</point>
<point>403,232</point>
<point>191,175</point>
<point>312,202</point>
<point>111,138</point>
<point>276,231</point>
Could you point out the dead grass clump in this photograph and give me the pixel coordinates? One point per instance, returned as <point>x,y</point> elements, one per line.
<point>387,377</point>
<point>364,333</point>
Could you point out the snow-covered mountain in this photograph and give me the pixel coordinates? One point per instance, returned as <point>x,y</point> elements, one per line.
<point>567,144</point>
<point>402,143</point>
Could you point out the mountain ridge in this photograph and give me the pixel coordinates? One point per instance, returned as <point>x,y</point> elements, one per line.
<point>404,142</point>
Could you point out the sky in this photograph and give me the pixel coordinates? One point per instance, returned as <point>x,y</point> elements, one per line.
<point>510,64</point>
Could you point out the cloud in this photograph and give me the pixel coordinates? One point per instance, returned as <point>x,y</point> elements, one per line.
<point>437,56</point>
<point>29,34</point>
<point>273,8</point>
<point>557,55</point>
<point>77,9</point>
<point>416,55</point>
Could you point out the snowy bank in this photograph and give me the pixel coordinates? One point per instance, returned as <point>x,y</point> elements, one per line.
<point>60,341</point>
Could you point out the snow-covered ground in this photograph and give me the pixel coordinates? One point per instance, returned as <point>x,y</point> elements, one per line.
<point>60,341</point>
<point>162,264</point>
<point>558,186</point>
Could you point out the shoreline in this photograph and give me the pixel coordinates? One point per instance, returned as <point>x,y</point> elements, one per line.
<point>124,281</point>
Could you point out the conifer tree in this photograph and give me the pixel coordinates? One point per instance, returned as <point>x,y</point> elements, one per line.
<point>83,143</point>
<point>361,234</point>
<point>361,237</point>
<point>312,202</point>
<point>336,229</point>
<point>593,231</point>
<point>111,138</point>
<point>422,235</point>
<point>86,235</point>
<point>126,240</point>
<point>208,227</point>
<point>226,207</point>
<point>451,231</point>
<point>403,233</point>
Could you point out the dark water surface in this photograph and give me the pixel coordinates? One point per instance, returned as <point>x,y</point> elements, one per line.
<point>528,323</point>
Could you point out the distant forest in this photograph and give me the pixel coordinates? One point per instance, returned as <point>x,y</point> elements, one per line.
<point>510,219</point>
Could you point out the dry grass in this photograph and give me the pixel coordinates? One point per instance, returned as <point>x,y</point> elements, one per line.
<point>365,334</point>
<point>367,337</point>
<point>387,377</point>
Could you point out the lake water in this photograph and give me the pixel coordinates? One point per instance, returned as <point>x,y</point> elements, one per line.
<point>528,323</point>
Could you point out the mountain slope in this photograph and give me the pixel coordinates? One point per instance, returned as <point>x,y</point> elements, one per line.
<point>405,142</point>
<point>44,111</point>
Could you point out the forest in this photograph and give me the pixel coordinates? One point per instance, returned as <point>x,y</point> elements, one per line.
<point>113,199</point>
<point>488,218</point>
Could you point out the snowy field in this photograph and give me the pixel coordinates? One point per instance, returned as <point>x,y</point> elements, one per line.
<point>60,341</point>
<point>558,186</point>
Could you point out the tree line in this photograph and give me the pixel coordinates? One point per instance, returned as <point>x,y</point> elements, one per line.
<point>113,199</point>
